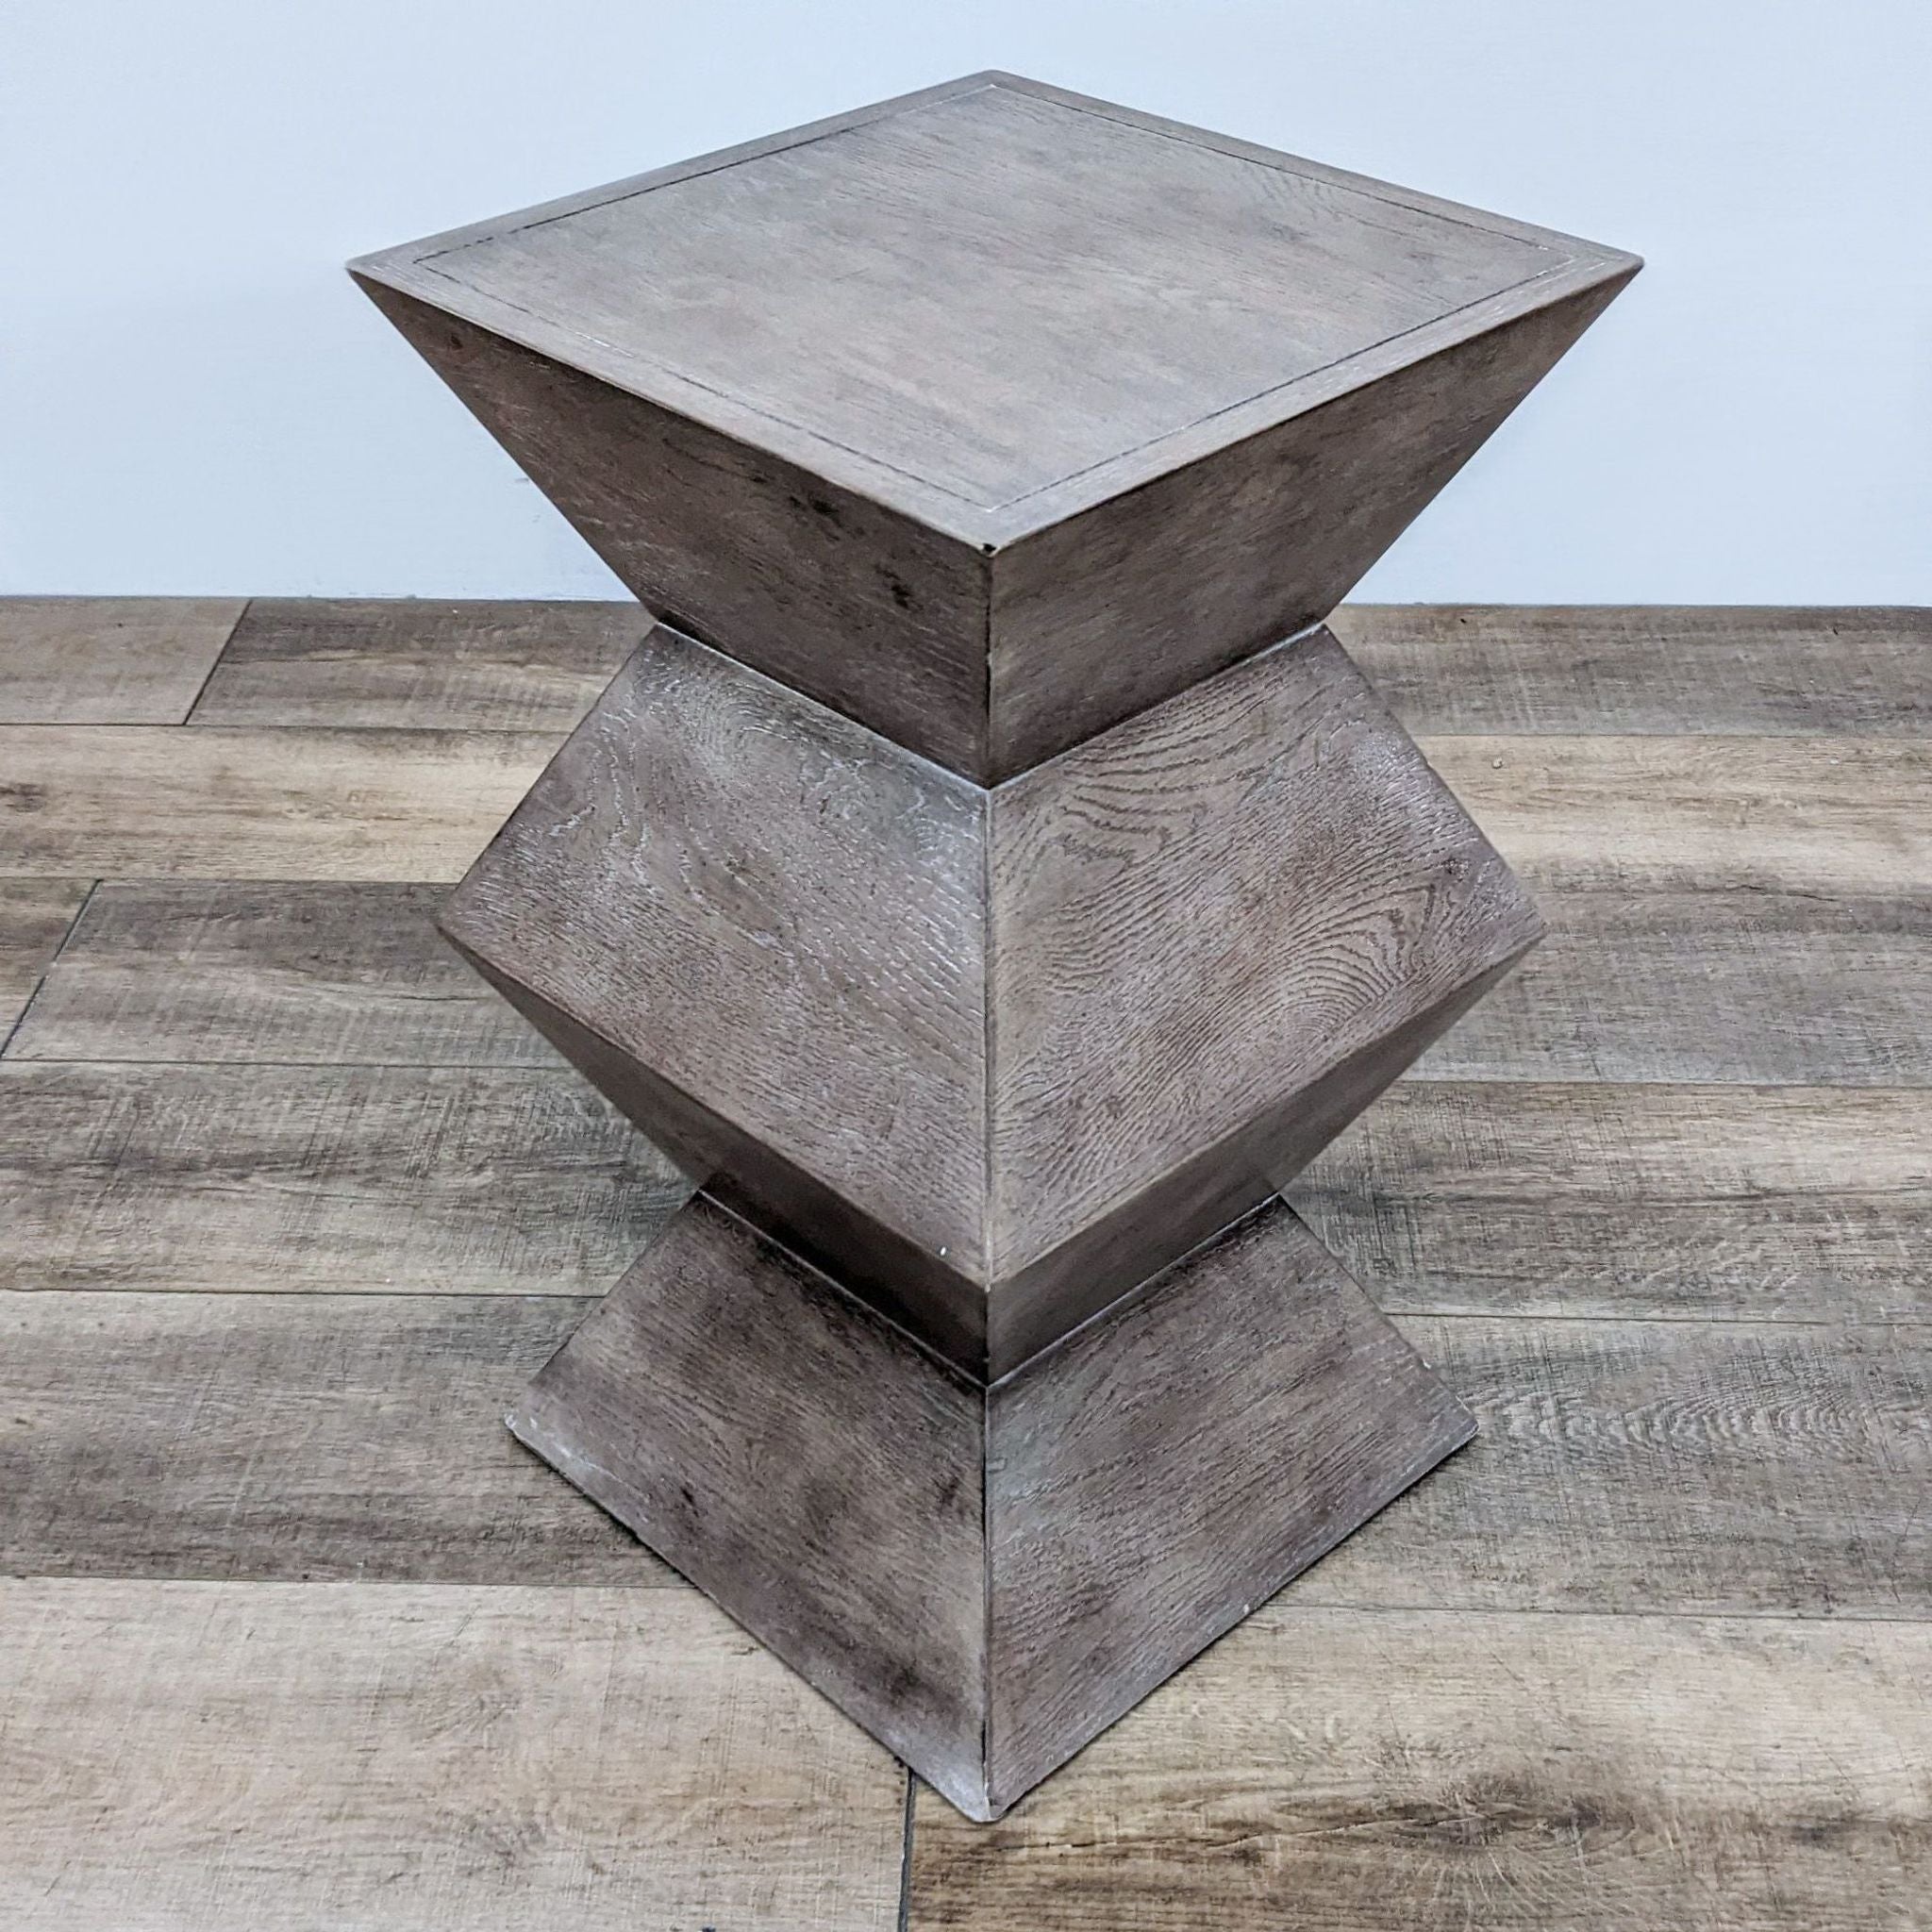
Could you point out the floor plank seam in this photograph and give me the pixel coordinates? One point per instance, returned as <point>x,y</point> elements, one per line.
<point>73,926</point>
<point>905,1915</point>
<point>1287,1602</point>
<point>186,717</point>
<point>1408,1083</point>
<point>1831,1325</point>
<point>1393,1310</point>
<point>215,1066</point>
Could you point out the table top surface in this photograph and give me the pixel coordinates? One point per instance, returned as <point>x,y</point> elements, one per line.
<point>992,297</point>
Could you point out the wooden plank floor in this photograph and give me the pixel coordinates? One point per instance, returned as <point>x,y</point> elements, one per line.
<point>294,1633</point>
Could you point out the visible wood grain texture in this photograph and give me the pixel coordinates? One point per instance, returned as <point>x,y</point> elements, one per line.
<point>107,660</point>
<point>1643,1467</point>
<point>815,585</point>
<point>1169,1465</point>
<point>1647,1465</point>
<point>1106,613</point>
<point>308,1438</point>
<point>401,662</point>
<point>209,1758</point>
<point>989,293</point>
<point>1677,1202</point>
<point>1197,1200</point>
<point>992,292</point>
<point>1650,1466</point>
<point>1799,814</point>
<point>138,801</point>
<point>1405,1772</point>
<point>1672,670</point>
<point>764,933</point>
<point>913,1288</point>
<point>994,414</point>
<point>760,905</point>
<point>35,917</point>
<point>246,970</point>
<point>800,1461</point>
<point>1777,988</point>
<point>1830,815</point>
<point>1144,1483</point>
<point>1199,915</point>
<point>351,1180</point>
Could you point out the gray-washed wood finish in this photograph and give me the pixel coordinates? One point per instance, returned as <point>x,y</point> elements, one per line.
<point>992,1058</point>
<point>1199,915</point>
<point>774,912</point>
<point>843,598</point>
<point>1168,1466</point>
<point>1109,611</point>
<point>988,881</point>
<point>802,1463</point>
<point>906,296</point>
<point>990,293</point>
<point>910,1284</point>
<point>986,1578</point>
<point>994,414</point>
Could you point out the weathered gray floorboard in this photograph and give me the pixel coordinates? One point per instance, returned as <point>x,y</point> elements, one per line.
<point>308,1438</point>
<point>222,969</point>
<point>1672,670</point>
<point>1865,671</point>
<point>223,1758</point>
<point>401,662</point>
<point>1344,1759</point>
<point>1647,1465</point>
<point>1420,1771</point>
<point>1687,1203</point>
<point>107,660</point>
<point>36,915</point>
<point>155,801</point>
<point>333,1180</point>
<point>1819,814</point>
<point>1707,984</point>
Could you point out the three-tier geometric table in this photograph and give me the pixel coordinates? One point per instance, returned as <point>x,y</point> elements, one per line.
<point>990,880</point>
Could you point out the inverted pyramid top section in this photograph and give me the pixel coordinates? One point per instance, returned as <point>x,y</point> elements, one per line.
<point>992,304</point>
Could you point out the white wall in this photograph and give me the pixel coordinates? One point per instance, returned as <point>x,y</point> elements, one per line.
<point>194,398</point>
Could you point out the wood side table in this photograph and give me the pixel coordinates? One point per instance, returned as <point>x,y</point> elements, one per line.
<point>990,880</point>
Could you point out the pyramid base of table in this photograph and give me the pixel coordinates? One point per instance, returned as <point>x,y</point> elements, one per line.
<point>985,1577</point>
